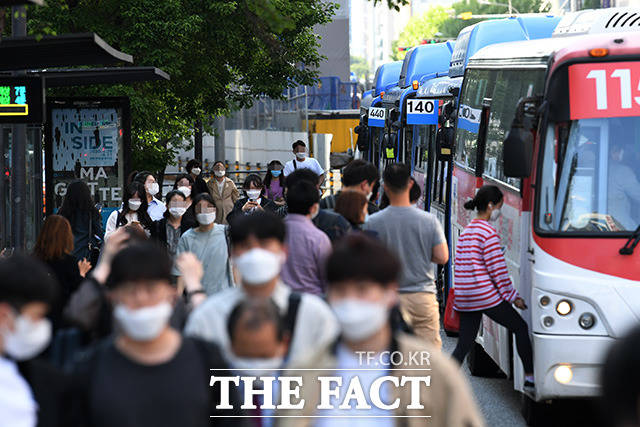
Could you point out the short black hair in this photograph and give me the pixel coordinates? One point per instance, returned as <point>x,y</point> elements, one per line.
<point>252,178</point>
<point>396,176</point>
<point>181,177</point>
<point>487,194</point>
<point>415,192</point>
<point>620,379</point>
<point>255,312</point>
<point>26,279</point>
<point>202,196</point>
<point>301,196</point>
<point>218,162</point>
<point>359,257</point>
<point>141,177</point>
<point>170,195</point>
<point>302,175</point>
<point>140,261</point>
<point>298,143</point>
<point>261,225</point>
<point>357,171</point>
<point>193,163</point>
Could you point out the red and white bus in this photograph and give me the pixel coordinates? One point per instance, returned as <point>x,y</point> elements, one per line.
<point>559,133</point>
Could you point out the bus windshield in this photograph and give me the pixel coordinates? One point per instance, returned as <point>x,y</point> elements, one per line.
<point>589,181</point>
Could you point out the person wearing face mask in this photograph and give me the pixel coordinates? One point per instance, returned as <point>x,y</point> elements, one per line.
<point>303,161</point>
<point>185,184</point>
<point>481,270</point>
<point>134,210</point>
<point>223,191</point>
<point>418,239</point>
<point>258,251</point>
<point>155,207</point>
<point>194,170</point>
<point>254,200</point>
<point>359,175</point>
<point>363,277</point>
<point>209,243</point>
<point>173,225</point>
<point>25,332</point>
<point>303,272</point>
<point>274,182</point>
<point>148,374</point>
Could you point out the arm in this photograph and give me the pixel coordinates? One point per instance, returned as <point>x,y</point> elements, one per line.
<point>97,225</point>
<point>440,249</point>
<point>497,269</point>
<point>182,247</point>
<point>111,224</point>
<point>235,194</point>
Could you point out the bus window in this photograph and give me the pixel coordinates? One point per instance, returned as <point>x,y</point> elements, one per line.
<point>475,88</point>
<point>510,86</point>
<point>590,182</point>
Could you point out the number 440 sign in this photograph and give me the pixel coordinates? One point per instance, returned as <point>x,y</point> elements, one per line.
<point>609,89</point>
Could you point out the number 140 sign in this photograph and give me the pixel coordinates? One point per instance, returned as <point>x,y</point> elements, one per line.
<point>610,89</point>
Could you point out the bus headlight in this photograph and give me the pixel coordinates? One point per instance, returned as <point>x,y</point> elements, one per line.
<point>587,320</point>
<point>564,307</point>
<point>563,374</point>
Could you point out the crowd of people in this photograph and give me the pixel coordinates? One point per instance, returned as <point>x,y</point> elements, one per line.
<point>263,282</point>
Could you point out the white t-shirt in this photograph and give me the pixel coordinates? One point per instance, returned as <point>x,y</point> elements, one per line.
<point>309,163</point>
<point>112,221</point>
<point>17,406</point>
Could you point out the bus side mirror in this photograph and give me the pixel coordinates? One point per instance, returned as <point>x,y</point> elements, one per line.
<point>517,152</point>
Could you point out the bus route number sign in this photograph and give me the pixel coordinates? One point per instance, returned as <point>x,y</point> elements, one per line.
<point>609,89</point>
<point>377,117</point>
<point>21,100</point>
<point>422,111</point>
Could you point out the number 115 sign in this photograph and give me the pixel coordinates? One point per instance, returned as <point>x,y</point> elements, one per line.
<point>605,89</point>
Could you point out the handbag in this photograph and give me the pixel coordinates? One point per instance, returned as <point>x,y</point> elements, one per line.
<point>451,316</point>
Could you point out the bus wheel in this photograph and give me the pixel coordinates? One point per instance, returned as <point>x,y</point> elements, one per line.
<point>535,413</point>
<point>480,363</point>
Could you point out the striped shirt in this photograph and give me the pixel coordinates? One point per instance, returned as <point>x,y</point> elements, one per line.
<point>481,276</point>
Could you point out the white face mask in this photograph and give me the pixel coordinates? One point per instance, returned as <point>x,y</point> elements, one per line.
<point>253,194</point>
<point>301,156</point>
<point>134,205</point>
<point>258,266</point>
<point>143,324</point>
<point>359,319</point>
<point>252,367</point>
<point>206,218</point>
<point>196,171</point>
<point>153,188</point>
<point>495,214</point>
<point>185,190</point>
<point>315,214</point>
<point>28,338</point>
<point>177,211</point>
<point>219,174</point>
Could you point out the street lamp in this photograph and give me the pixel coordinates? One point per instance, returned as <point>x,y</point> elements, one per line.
<point>489,3</point>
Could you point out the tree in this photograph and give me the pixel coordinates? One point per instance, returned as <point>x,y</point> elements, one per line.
<point>220,54</point>
<point>360,67</point>
<point>420,27</point>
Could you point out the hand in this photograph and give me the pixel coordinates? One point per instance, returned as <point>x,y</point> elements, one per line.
<point>250,205</point>
<point>519,303</point>
<point>191,269</point>
<point>116,241</point>
<point>84,266</point>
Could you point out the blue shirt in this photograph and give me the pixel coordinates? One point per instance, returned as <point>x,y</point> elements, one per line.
<point>156,209</point>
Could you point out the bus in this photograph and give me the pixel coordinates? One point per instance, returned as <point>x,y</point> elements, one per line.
<point>559,134</point>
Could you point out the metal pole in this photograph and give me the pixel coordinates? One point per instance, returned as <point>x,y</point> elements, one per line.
<point>306,110</point>
<point>18,152</point>
<point>219,147</point>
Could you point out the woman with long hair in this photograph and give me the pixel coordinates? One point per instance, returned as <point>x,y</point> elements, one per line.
<point>80,210</point>
<point>274,182</point>
<point>482,282</point>
<point>133,210</point>
<point>354,206</point>
<point>54,246</point>
<point>185,185</point>
<point>172,226</point>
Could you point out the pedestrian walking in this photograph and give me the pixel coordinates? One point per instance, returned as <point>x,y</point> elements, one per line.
<point>155,206</point>
<point>359,175</point>
<point>303,161</point>
<point>86,223</point>
<point>363,277</point>
<point>133,211</point>
<point>148,374</point>
<point>54,247</point>
<point>223,191</point>
<point>274,182</point>
<point>208,242</point>
<point>194,170</point>
<point>417,238</point>
<point>482,282</point>
<point>309,246</point>
<point>173,225</point>
<point>185,185</point>
<point>254,199</point>
<point>258,251</point>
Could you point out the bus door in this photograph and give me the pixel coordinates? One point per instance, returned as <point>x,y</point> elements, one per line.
<point>377,118</point>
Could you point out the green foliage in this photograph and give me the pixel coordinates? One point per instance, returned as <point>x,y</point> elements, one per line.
<point>360,67</point>
<point>419,27</point>
<point>220,54</point>
<point>392,4</point>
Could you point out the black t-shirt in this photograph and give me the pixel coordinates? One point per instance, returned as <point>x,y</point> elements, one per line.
<point>121,392</point>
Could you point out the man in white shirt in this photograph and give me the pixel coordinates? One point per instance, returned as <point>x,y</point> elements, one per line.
<point>26,293</point>
<point>303,161</point>
<point>258,253</point>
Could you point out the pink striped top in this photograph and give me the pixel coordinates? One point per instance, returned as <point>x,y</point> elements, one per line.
<point>481,276</point>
